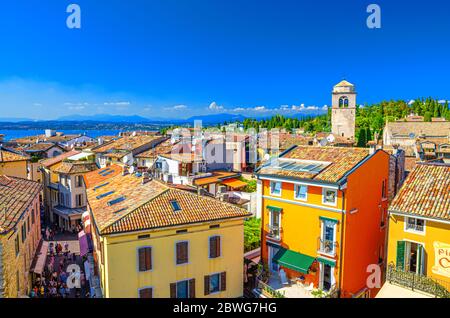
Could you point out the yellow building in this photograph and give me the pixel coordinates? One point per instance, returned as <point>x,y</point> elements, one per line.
<point>151,240</point>
<point>20,234</point>
<point>13,164</point>
<point>419,231</point>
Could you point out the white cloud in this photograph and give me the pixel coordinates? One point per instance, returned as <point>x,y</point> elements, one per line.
<point>176,107</point>
<point>117,104</point>
<point>214,107</point>
<point>260,109</point>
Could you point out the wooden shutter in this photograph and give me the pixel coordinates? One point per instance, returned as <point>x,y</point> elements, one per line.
<point>141,259</point>
<point>206,285</point>
<point>173,290</point>
<point>401,255</point>
<point>182,252</point>
<point>192,288</point>
<point>146,293</point>
<point>218,246</point>
<point>148,258</point>
<point>212,247</point>
<point>223,281</point>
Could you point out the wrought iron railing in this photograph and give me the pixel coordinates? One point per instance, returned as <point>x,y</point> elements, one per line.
<point>268,291</point>
<point>274,232</point>
<point>327,246</point>
<point>435,287</point>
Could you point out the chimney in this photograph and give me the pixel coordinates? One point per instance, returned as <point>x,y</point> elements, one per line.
<point>372,147</point>
<point>395,150</point>
<point>146,178</point>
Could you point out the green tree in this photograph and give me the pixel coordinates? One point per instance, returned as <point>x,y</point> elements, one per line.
<point>252,234</point>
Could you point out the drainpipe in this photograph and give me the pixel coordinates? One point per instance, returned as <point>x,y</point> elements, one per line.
<point>342,244</point>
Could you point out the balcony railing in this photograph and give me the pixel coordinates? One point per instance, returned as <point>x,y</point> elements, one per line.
<point>274,232</point>
<point>327,246</point>
<point>268,291</point>
<point>414,227</point>
<point>438,288</point>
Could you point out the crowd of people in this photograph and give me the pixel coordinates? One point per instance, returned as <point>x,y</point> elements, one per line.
<point>56,281</point>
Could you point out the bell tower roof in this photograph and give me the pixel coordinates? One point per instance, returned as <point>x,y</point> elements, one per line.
<point>344,87</point>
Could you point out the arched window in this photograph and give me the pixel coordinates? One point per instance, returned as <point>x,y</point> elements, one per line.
<point>343,101</point>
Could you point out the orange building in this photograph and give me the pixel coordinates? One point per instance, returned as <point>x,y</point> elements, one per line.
<point>324,220</point>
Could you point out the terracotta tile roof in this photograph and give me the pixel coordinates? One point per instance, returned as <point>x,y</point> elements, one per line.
<point>337,161</point>
<point>75,167</point>
<point>29,139</point>
<point>7,155</point>
<point>43,146</point>
<point>128,143</point>
<point>215,177</point>
<point>148,205</point>
<point>15,196</point>
<point>416,129</point>
<point>51,161</point>
<point>425,192</point>
<point>163,148</point>
<point>159,213</point>
<point>93,178</point>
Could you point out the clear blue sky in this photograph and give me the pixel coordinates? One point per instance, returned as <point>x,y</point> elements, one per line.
<point>175,58</point>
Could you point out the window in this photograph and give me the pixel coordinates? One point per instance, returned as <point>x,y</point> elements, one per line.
<point>275,188</point>
<point>415,225</point>
<point>329,197</point>
<point>24,233</point>
<point>146,292</point>
<point>215,283</point>
<point>175,206</point>
<point>183,289</point>
<point>32,217</point>
<point>29,224</point>
<point>383,189</point>
<point>79,181</point>
<point>145,259</point>
<point>328,239</point>
<point>343,102</point>
<point>301,192</point>
<point>17,243</point>
<point>214,246</point>
<point>275,223</point>
<point>79,198</point>
<point>182,253</point>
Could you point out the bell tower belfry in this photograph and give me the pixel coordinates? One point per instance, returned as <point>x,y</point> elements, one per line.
<point>343,112</point>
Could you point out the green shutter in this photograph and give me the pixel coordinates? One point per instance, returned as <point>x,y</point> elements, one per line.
<point>274,208</point>
<point>401,255</point>
<point>322,218</point>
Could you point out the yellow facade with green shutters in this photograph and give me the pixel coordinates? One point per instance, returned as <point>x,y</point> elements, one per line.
<point>119,269</point>
<point>420,245</point>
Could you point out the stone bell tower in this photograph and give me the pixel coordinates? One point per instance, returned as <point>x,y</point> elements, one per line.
<point>343,112</point>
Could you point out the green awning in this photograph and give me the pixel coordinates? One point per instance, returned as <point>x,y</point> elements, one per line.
<point>274,208</point>
<point>293,260</point>
<point>326,261</point>
<point>328,219</point>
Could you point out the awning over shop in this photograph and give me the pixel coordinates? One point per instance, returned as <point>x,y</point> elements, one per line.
<point>69,213</point>
<point>40,258</point>
<point>85,243</point>
<point>293,260</point>
<point>234,183</point>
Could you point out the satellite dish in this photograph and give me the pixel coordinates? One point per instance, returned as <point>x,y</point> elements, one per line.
<point>266,157</point>
<point>131,169</point>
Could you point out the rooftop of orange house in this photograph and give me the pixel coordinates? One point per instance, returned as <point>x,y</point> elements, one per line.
<point>8,155</point>
<point>128,143</point>
<point>125,204</point>
<point>16,195</point>
<point>326,164</point>
<point>425,192</point>
<point>215,177</point>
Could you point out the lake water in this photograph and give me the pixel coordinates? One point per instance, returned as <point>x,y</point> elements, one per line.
<point>20,133</point>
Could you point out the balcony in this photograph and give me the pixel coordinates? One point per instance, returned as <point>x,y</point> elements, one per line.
<point>274,232</point>
<point>327,247</point>
<point>413,281</point>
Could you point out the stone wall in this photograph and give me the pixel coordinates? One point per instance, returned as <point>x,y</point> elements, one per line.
<point>16,268</point>
<point>343,122</point>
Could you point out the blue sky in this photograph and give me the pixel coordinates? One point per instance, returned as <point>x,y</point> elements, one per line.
<point>176,58</point>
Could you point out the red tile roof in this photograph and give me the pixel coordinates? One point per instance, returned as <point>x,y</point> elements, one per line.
<point>51,161</point>
<point>16,195</point>
<point>425,192</point>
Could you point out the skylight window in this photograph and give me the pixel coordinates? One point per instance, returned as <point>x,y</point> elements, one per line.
<point>104,195</point>
<point>175,205</point>
<point>101,186</point>
<point>307,166</point>
<point>115,201</point>
<point>103,171</point>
